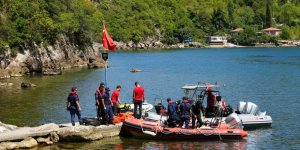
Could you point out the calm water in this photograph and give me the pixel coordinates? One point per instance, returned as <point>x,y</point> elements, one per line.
<point>269,77</point>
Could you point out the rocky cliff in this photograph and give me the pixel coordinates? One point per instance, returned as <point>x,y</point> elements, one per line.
<point>53,59</point>
<point>50,60</point>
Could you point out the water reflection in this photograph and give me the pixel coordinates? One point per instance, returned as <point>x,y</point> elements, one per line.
<point>106,143</point>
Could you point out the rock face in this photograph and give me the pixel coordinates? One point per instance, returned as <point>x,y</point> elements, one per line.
<point>48,60</point>
<point>79,133</point>
<point>96,63</point>
<point>6,127</point>
<point>24,144</point>
<point>25,132</point>
<point>53,59</point>
<point>27,85</point>
<point>12,137</point>
<point>135,70</point>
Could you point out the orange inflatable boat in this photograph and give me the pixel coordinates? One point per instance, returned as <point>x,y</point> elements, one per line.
<point>156,130</point>
<point>122,117</point>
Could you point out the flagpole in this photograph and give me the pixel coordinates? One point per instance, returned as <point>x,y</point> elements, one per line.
<point>109,44</point>
<point>106,84</point>
<point>105,58</point>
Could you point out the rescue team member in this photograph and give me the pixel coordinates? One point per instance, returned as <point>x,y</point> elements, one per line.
<point>197,109</point>
<point>73,105</point>
<point>186,112</point>
<point>172,113</point>
<point>98,97</point>
<point>115,99</point>
<point>138,99</point>
<point>211,101</point>
<point>106,102</point>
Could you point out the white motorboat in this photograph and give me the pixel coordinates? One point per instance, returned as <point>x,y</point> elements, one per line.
<point>247,112</point>
<point>251,116</point>
<point>146,107</point>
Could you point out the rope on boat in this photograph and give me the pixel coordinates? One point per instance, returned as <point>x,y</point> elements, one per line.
<point>218,131</point>
<point>219,135</point>
<point>144,131</point>
<point>204,133</point>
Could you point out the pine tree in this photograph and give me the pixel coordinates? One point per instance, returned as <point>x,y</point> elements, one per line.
<point>268,15</point>
<point>230,13</point>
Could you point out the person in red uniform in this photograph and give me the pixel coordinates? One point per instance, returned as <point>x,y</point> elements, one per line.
<point>138,99</point>
<point>211,101</point>
<point>115,99</point>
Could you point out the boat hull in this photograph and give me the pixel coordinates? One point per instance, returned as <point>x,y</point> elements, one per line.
<point>153,130</point>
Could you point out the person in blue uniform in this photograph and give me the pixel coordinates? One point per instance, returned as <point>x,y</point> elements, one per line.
<point>106,102</point>
<point>186,112</point>
<point>98,99</point>
<point>73,105</point>
<point>172,113</point>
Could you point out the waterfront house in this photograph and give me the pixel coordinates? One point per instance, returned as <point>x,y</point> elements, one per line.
<point>272,31</point>
<point>216,40</point>
<point>235,31</point>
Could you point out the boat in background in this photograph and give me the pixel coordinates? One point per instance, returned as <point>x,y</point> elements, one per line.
<point>146,107</point>
<point>247,112</point>
<point>251,117</point>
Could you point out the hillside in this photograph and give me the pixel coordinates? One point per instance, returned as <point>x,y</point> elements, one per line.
<point>24,23</point>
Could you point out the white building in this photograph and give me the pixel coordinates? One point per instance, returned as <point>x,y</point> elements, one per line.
<point>216,40</point>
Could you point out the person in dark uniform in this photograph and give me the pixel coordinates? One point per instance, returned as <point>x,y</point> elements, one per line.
<point>73,105</point>
<point>98,98</point>
<point>106,102</point>
<point>197,108</point>
<point>186,112</point>
<point>172,113</point>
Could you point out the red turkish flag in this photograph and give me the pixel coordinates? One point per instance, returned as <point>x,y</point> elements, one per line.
<point>107,41</point>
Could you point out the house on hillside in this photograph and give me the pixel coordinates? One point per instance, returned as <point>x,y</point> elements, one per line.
<point>272,31</point>
<point>235,31</point>
<point>216,40</point>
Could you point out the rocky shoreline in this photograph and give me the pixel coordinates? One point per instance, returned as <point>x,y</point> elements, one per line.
<point>13,137</point>
<point>53,59</point>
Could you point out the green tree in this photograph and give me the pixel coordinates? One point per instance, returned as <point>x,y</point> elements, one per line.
<point>285,34</point>
<point>231,10</point>
<point>218,21</point>
<point>268,15</point>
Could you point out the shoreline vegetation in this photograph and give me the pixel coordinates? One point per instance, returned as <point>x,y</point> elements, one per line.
<point>46,37</point>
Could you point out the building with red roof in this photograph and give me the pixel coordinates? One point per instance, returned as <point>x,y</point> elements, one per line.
<point>272,31</point>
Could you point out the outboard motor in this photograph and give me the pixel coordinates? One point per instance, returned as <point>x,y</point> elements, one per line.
<point>241,107</point>
<point>233,121</point>
<point>251,108</point>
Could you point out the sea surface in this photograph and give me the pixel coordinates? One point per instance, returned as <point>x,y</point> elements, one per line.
<point>269,77</point>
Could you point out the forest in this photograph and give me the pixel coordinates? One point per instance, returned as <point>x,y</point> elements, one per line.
<point>27,22</point>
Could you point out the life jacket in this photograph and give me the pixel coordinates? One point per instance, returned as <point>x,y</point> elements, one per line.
<point>72,98</point>
<point>211,100</point>
<point>100,94</point>
<point>224,104</point>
